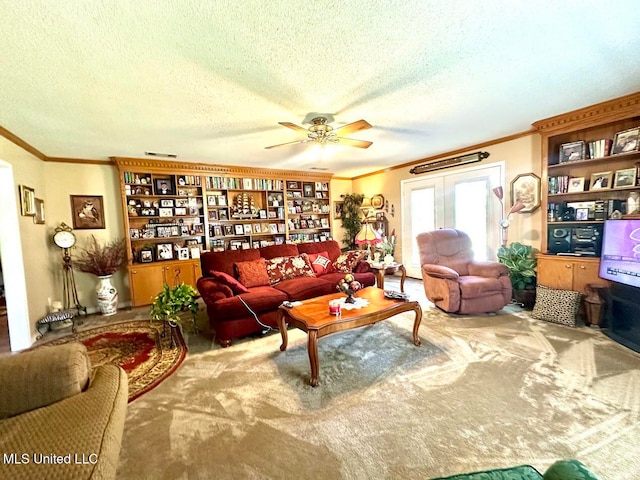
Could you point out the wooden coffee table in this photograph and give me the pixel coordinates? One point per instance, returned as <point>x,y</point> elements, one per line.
<point>313,317</point>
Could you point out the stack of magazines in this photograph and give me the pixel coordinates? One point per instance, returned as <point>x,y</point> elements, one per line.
<point>395,295</point>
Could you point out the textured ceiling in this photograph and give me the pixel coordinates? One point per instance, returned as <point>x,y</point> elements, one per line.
<point>210,80</point>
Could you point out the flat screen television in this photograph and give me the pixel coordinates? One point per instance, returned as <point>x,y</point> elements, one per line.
<point>620,257</point>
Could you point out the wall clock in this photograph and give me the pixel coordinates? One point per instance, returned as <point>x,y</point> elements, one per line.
<point>64,237</point>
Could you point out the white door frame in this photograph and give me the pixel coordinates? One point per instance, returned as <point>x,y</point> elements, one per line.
<point>408,242</point>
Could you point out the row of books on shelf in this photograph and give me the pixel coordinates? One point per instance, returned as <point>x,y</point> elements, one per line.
<point>237,183</point>
<point>625,141</point>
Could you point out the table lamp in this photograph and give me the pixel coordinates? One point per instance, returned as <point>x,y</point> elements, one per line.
<point>368,236</point>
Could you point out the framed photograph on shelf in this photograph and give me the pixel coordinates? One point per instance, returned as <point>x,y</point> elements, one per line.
<point>293,186</point>
<point>582,214</point>
<point>525,188</point>
<point>307,189</point>
<point>576,184</point>
<point>239,229</point>
<point>626,141</point>
<point>164,251</point>
<point>164,186</point>
<point>87,211</point>
<point>212,200</point>
<point>165,212</point>
<point>166,202</point>
<point>179,211</point>
<point>601,181</point>
<point>146,255</point>
<point>570,152</point>
<point>183,253</point>
<point>625,178</point>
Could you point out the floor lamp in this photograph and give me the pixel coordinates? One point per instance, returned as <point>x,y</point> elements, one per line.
<point>505,220</point>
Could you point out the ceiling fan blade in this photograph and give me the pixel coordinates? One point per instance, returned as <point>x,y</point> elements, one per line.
<point>353,127</point>
<point>289,143</point>
<point>352,142</point>
<point>293,126</point>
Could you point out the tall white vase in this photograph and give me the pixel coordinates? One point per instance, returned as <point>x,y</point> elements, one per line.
<point>107,296</point>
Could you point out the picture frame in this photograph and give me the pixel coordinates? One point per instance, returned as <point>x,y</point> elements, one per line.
<point>146,255</point>
<point>165,212</point>
<point>27,201</point>
<point>195,252</point>
<point>377,201</point>
<point>183,253</point>
<point>87,212</point>
<point>337,210</point>
<point>293,185</point>
<point>582,214</point>
<point>576,184</point>
<point>626,141</point>
<point>222,201</point>
<point>38,218</point>
<point>164,186</point>
<point>179,211</point>
<point>525,188</point>
<point>166,202</point>
<point>212,200</point>
<point>239,229</point>
<point>625,178</point>
<point>601,181</point>
<point>164,251</point>
<point>262,213</point>
<point>307,189</point>
<point>572,151</point>
<point>213,215</point>
<point>134,233</point>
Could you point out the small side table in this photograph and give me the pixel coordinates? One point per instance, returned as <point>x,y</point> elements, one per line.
<point>381,270</point>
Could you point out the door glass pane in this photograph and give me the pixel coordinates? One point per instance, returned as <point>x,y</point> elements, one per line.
<point>470,214</point>
<point>423,216</point>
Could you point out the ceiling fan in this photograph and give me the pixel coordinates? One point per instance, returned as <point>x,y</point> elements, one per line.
<point>323,133</point>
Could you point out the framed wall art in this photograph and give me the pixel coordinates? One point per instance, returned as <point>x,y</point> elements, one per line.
<point>625,178</point>
<point>525,188</point>
<point>87,211</point>
<point>570,152</point>
<point>27,201</point>
<point>337,209</point>
<point>377,201</point>
<point>38,218</point>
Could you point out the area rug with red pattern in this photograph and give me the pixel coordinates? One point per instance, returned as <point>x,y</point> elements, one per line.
<point>139,347</point>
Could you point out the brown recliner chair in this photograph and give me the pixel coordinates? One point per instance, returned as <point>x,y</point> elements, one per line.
<point>456,283</point>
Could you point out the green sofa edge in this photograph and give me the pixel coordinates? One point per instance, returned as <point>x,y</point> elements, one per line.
<point>569,469</point>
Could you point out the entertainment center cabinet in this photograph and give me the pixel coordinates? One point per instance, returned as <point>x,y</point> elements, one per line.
<point>562,231</point>
<point>588,175</point>
<point>173,211</point>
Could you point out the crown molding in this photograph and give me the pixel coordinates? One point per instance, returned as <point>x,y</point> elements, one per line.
<point>124,163</point>
<point>452,153</point>
<point>600,113</point>
<point>22,144</point>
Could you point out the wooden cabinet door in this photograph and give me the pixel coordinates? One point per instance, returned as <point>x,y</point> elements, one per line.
<point>584,273</point>
<point>181,273</point>
<point>146,283</point>
<point>555,272</point>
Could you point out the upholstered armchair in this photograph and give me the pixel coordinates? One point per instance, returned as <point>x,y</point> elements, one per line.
<point>454,281</point>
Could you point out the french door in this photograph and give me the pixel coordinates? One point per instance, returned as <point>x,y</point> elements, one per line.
<point>463,200</point>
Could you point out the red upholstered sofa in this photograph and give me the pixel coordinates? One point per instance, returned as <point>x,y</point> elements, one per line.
<point>222,291</point>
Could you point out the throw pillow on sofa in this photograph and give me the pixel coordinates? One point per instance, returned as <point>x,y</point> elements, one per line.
<point>236,287</point>
<point>253,273</point>
<point>556,306</point>
<point>321,263</point>
<point>347,260</point>
<point>286,268</point>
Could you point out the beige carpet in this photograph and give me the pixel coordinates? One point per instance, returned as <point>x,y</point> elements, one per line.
<point>481,392</point>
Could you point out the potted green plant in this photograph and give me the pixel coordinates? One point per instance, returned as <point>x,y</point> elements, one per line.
<point>521,262</point>
<point>170,302</point>
<point>350,217</point>
<point>102,260</point>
